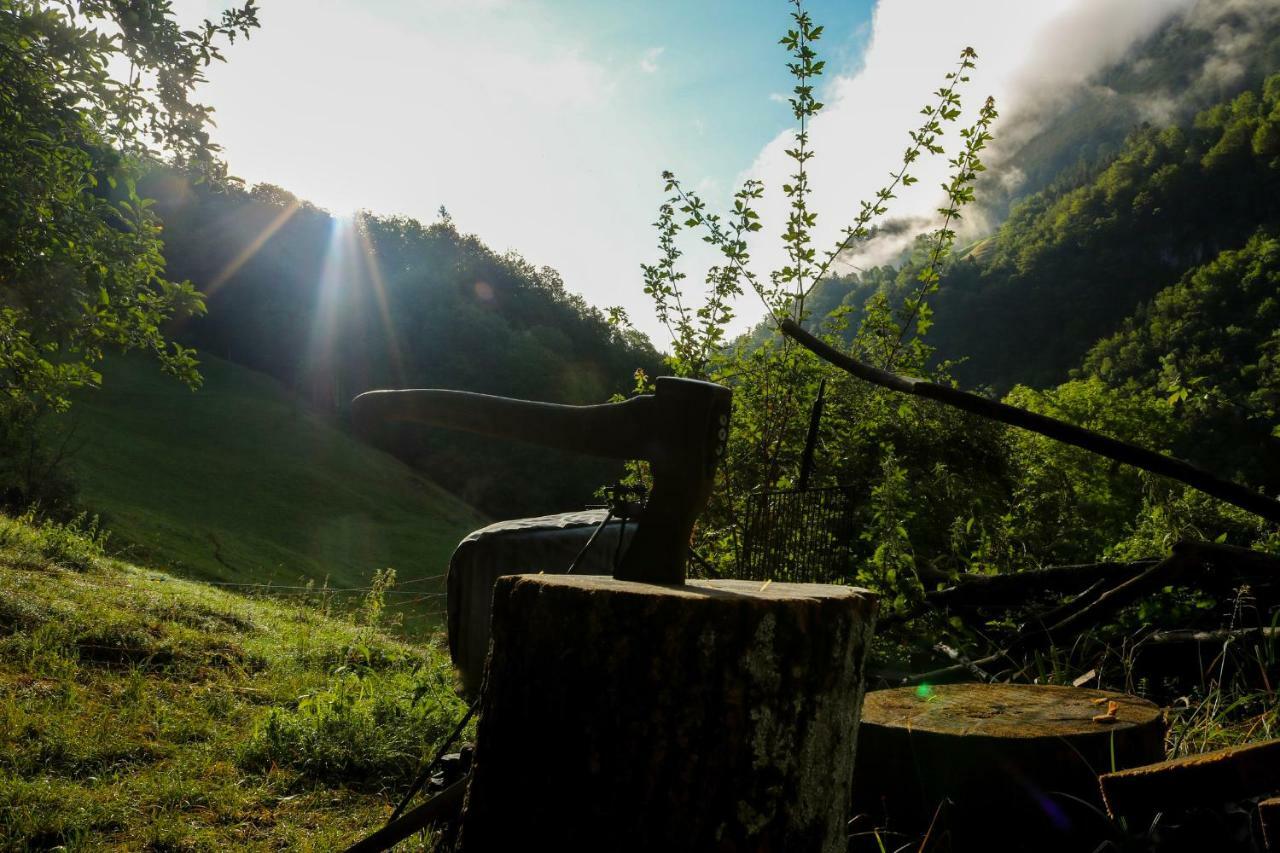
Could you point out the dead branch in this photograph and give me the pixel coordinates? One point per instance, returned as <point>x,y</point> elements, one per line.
<point>1086,439</point>
<point>1015,589</point>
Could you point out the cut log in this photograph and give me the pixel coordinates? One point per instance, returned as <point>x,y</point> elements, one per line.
<point>1003,754</point>
<point>1269,817</point>
<point>717,715</point>
<point>1209,779</point>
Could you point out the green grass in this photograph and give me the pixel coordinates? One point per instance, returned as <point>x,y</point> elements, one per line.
<point>143,711</point>
<point>239,482</point>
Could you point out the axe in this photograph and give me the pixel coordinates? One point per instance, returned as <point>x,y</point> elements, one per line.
<point>680,430</point>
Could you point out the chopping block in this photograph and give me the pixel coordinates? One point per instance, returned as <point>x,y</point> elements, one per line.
<point>711,715</point>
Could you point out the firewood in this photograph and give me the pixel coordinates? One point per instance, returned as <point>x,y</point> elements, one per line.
<point>1010,590</point>
<point>1269,816</point>
<point>1180,636</point>
<point>1224,775</point>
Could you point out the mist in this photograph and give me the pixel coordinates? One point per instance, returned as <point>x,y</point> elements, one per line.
<point>1036,59</point>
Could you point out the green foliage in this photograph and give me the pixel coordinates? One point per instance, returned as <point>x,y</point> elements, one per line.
<point>30,541</point>
<point>1069,504</point>
<point>774,380</point>
<point>138,709</point>
<point>375,600</point>
<point>360,731</point>
<point>80,260</point>
<point>1210,346</point>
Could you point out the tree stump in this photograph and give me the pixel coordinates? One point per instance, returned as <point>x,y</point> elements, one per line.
<point>717,715</point>
<point>1002,754</point>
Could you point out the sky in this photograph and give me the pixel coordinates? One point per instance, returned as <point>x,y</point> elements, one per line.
<point>543,126</point>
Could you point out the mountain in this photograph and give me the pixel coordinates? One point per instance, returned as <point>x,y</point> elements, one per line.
<point>1073,261</point>
<point>1207,54</point>
<point>332,306</point>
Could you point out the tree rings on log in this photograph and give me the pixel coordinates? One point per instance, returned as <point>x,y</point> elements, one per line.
<point>715,715</point>
<point>1001,756</point>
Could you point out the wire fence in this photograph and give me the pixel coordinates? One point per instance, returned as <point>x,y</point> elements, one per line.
<point>804,535</point>
<point>313,589</point>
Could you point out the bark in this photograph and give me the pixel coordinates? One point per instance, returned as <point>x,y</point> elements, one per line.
<point>718,715</point>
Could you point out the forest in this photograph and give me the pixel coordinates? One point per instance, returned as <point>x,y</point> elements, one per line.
<point>219,600</point>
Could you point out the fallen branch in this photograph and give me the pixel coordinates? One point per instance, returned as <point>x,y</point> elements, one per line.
<point>1190,635</point>
<point>1014,589</point>
<point>1086,439</point>
<point>446,805</point>
<point>948,674</point>
<point>969,666</point>
<point>1160,574</point>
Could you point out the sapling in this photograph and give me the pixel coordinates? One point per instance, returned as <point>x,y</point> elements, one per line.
<point>773,378</point>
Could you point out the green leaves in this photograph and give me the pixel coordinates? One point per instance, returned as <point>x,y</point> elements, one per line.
<point>81,261</point>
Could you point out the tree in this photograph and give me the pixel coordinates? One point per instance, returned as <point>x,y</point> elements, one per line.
<point>81,268</point>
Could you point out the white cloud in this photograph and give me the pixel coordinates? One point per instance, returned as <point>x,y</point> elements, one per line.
<point>1025,50</point>
<point>649,61</point>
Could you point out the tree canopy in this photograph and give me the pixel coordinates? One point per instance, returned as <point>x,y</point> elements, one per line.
<point>81,267</point>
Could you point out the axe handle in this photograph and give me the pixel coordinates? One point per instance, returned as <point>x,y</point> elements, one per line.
<point>613,430</point>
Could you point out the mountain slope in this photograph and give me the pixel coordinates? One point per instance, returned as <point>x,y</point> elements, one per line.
<point>239,482</point>
<point>1072,262</point>
<point>333,306</point>
<point>139,711</point>
<point>1206,54</point>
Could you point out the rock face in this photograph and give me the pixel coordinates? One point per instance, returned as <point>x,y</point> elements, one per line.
<point>1001,755</point>
<point>716,715</point>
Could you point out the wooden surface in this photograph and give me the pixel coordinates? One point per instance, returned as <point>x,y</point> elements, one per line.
<point>1003,754</point>
<point>1208,779</point>
<point>718,715</point>
<point>1269,817</point>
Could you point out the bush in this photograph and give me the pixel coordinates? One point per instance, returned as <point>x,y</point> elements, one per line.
<point>367,733</point>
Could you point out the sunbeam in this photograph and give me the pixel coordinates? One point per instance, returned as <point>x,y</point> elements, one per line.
<point>252,249</point>
<point>379,286</point>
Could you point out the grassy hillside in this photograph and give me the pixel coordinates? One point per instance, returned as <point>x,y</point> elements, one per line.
<point>237,482</point>
<point>141,711</point>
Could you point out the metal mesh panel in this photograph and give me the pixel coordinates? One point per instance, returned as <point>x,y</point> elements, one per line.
<point>803,536</point>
